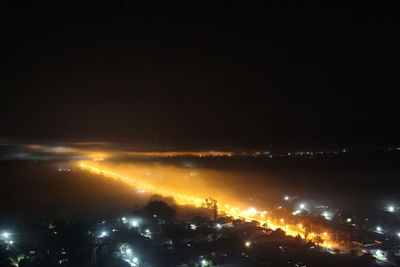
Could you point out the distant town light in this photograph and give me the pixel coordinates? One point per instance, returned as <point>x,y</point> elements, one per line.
<point>6,235</point>
<point>103,234</point>
<point>302,206</point>
<point>378,228</point>
<point>147,231</point>
<point>325,233</point>
<point>134,223</point>
<point>129,251</point>
<point>286,198</point>
<point>379,253</point>
<point>390,209</point>
<point>398,234</point>
<point>203,262</point>
<point>252,211</point>
<point>219,226</point>
<point>135,260</point>
<point>296,212</point>
<point>247,244</point>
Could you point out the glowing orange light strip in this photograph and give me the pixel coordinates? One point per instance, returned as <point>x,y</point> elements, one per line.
<point>182,199</point>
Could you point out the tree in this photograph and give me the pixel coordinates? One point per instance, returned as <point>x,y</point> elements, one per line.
<point>212,205</point>
<point>161,210</point>
<point>318,240</point>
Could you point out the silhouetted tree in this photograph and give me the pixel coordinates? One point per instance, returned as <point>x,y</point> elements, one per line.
<point>161,210</point>
<point>212,205</point>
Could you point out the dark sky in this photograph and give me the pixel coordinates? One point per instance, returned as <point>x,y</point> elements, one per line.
<point>204,73</point>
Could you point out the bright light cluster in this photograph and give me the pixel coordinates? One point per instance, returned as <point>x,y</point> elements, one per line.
<point>250,214</point>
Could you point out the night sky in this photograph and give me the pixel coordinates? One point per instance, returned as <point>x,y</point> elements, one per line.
<point>200,74</point>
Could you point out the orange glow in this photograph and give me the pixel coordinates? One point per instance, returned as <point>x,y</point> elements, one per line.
<point>185,198</point>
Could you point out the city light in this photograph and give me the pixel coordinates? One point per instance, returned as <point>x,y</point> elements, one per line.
<point>103,234</point>
<point>390,209</point>
<point>219,226</point>
<point>378,228</point>
<point>203,262</point>
<point>252,211</point>
<point>398,234</point>
<point>6,235</point>
<point>325,233</point>
<point>247,244</point>
<point>296,212</point>
<point>379,253</point>
<point>286,198</point>
<point>129,251</point>
<point>327,215</point>
<point>249,214</point>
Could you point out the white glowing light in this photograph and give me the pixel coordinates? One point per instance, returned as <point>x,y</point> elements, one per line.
<point>135,260</point>
<point>302,206</point>
<point>134,223</point>
<point>6,235</point>
<point>296,212</point>
<point>379,253</point>
<point>219,226</point>
<point>247,244</point>
<point>103,234</point>
<point>390,209</point>
<point>398,234</point>
<point>378,228</point>
<point>286,198</point>
<point>129,251</point>
<point>203,262</point>
<point>147,231</point>
<point>252,211</point>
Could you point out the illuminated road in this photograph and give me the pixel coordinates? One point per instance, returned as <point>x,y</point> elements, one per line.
<point>250,214</point>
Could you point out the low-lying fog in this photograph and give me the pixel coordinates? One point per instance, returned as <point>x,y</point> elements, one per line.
<point>39,189</point>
